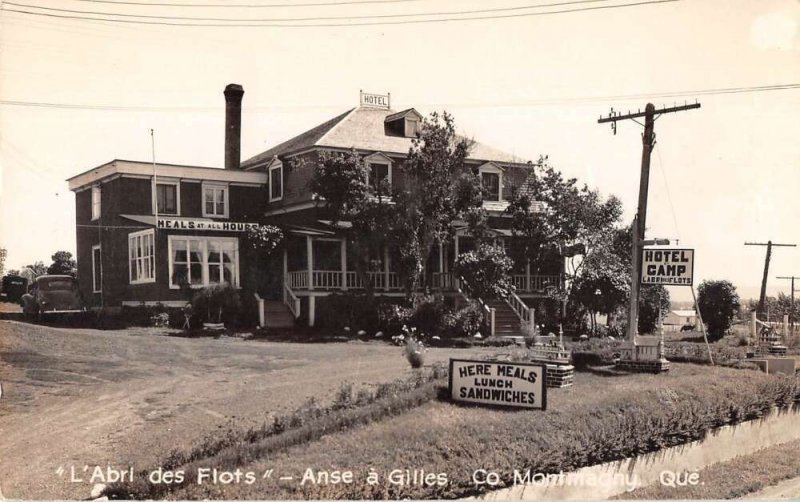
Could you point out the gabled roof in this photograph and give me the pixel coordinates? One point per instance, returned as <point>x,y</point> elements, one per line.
<point>364,128</point>
<point>404,113</point>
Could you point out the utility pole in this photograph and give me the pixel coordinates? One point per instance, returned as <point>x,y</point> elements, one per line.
<point>769,245</point>
<point>791,312</point>
<point>650,115</point>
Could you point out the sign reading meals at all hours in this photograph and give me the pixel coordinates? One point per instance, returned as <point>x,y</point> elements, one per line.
<point>494,383</point>
<point>670,267</point>
<point>220,226</point>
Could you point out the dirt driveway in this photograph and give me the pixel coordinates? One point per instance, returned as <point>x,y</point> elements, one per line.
<point>75,397</point>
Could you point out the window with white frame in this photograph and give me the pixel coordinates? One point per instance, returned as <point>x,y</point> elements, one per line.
<point>141,256</point>
<point>276,182</point>
<point>491,182</point>
<point>96,196</point>
<point>97,270</point>
<point>201,261</point>
<point>379,171</point>
<point>168,197</point>
<point>215,200</point>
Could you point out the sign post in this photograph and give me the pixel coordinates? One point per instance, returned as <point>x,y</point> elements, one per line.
<point>518,385</point>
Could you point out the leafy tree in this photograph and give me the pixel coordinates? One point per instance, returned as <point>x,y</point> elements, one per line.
<point>438,189</point>
<point>485,271</point>
<point>37,268</point>
<point>556,216</point>
<point>719,303</point>
<point>340,182</point>
<point>264,238</point>
<point>603,285</point>
<point>3,254</point>
<point>63,263</point>
<point>653,300</point>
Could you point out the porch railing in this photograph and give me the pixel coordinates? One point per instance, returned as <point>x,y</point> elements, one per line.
<point>335,279</point>
<point>381,281</point>
<point>523,311</point>
<point>291,300</point>
<point>534,283</point>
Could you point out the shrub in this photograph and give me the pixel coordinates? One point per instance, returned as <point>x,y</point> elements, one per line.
<point>719,303</point>
<point>415,352</point>
<point>354,310</point>
<point>485,271</point>
<point>466,321</point>
<point>217,303</point>
<point>392,317</point>
<point>428,315</point>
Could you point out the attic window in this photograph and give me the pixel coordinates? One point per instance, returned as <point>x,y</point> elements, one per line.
<point>412,127</point>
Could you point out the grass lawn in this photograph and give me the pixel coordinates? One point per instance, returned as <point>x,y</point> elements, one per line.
<point>597,420</point>
<point>732,479</point>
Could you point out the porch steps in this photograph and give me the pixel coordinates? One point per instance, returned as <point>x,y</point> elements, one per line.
<point>506,321</point>
<point>277,315</point>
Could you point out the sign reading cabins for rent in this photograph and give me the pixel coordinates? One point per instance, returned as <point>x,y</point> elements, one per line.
<point>519,385</point>
<point>670,267</point>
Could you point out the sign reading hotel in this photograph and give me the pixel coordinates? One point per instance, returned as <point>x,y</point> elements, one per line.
<point>219,226</point>
<point>376,100</point>
<point>519,385</point>
<point>670,267</point>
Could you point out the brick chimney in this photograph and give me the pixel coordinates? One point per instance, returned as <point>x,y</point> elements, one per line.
<point>233,125</point>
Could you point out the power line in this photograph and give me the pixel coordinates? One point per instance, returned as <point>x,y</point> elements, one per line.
<point>330,25</point>
<point>247,6</point>
<point>699,92</point>
<point>319,18</point>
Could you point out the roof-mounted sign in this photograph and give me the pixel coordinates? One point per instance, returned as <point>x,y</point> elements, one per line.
<point>374,100</point>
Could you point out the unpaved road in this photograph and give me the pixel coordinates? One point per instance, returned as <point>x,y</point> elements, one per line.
<point>75,397</point>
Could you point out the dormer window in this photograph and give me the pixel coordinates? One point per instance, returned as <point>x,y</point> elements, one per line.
<point>275,170</point>
<point>491,182</point>
<point>405,123</point>
<point>379,171</point>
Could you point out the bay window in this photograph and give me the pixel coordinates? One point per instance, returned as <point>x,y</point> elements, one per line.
<point>202,261</point>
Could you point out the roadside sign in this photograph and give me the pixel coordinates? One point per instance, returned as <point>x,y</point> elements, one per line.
<point>520,385</point>
<point>670,267</point>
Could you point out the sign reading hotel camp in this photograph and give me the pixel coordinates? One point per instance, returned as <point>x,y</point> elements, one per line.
<point>519,385</point>
<point>670,267</point>
<point>221,226</point>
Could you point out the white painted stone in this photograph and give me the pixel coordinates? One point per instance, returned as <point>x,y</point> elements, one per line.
<point>720,445</point>
<point>97,489</point>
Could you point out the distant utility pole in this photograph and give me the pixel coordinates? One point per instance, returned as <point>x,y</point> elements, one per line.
<point>769,245</point>
<point>648,142</point>
<point>791,312</point>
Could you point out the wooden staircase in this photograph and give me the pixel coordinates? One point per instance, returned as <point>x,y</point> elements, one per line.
<point>277,315</point>
<point>506,321</point>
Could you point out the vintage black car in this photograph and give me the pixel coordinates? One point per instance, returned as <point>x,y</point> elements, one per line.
<point>53,294</point>
<point>14,287</point>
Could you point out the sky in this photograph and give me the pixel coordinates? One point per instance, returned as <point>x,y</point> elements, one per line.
<point>528,84</point>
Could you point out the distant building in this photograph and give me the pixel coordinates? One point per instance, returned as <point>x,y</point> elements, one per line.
<point>676,319</point>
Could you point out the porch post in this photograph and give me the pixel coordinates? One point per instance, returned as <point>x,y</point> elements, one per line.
<point>441,258</point>
<point>528,274</point>
<point>285,268</point>
<point>311,310</point>
<point>386,268</point>
<point>310,262</point>
<point>456,255</point>
<point>344,263</point>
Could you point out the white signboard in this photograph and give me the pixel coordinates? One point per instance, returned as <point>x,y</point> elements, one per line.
<point>520,385</point>
<point>219,226</point>
<point>670,267</point>
<point>376,100</point>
